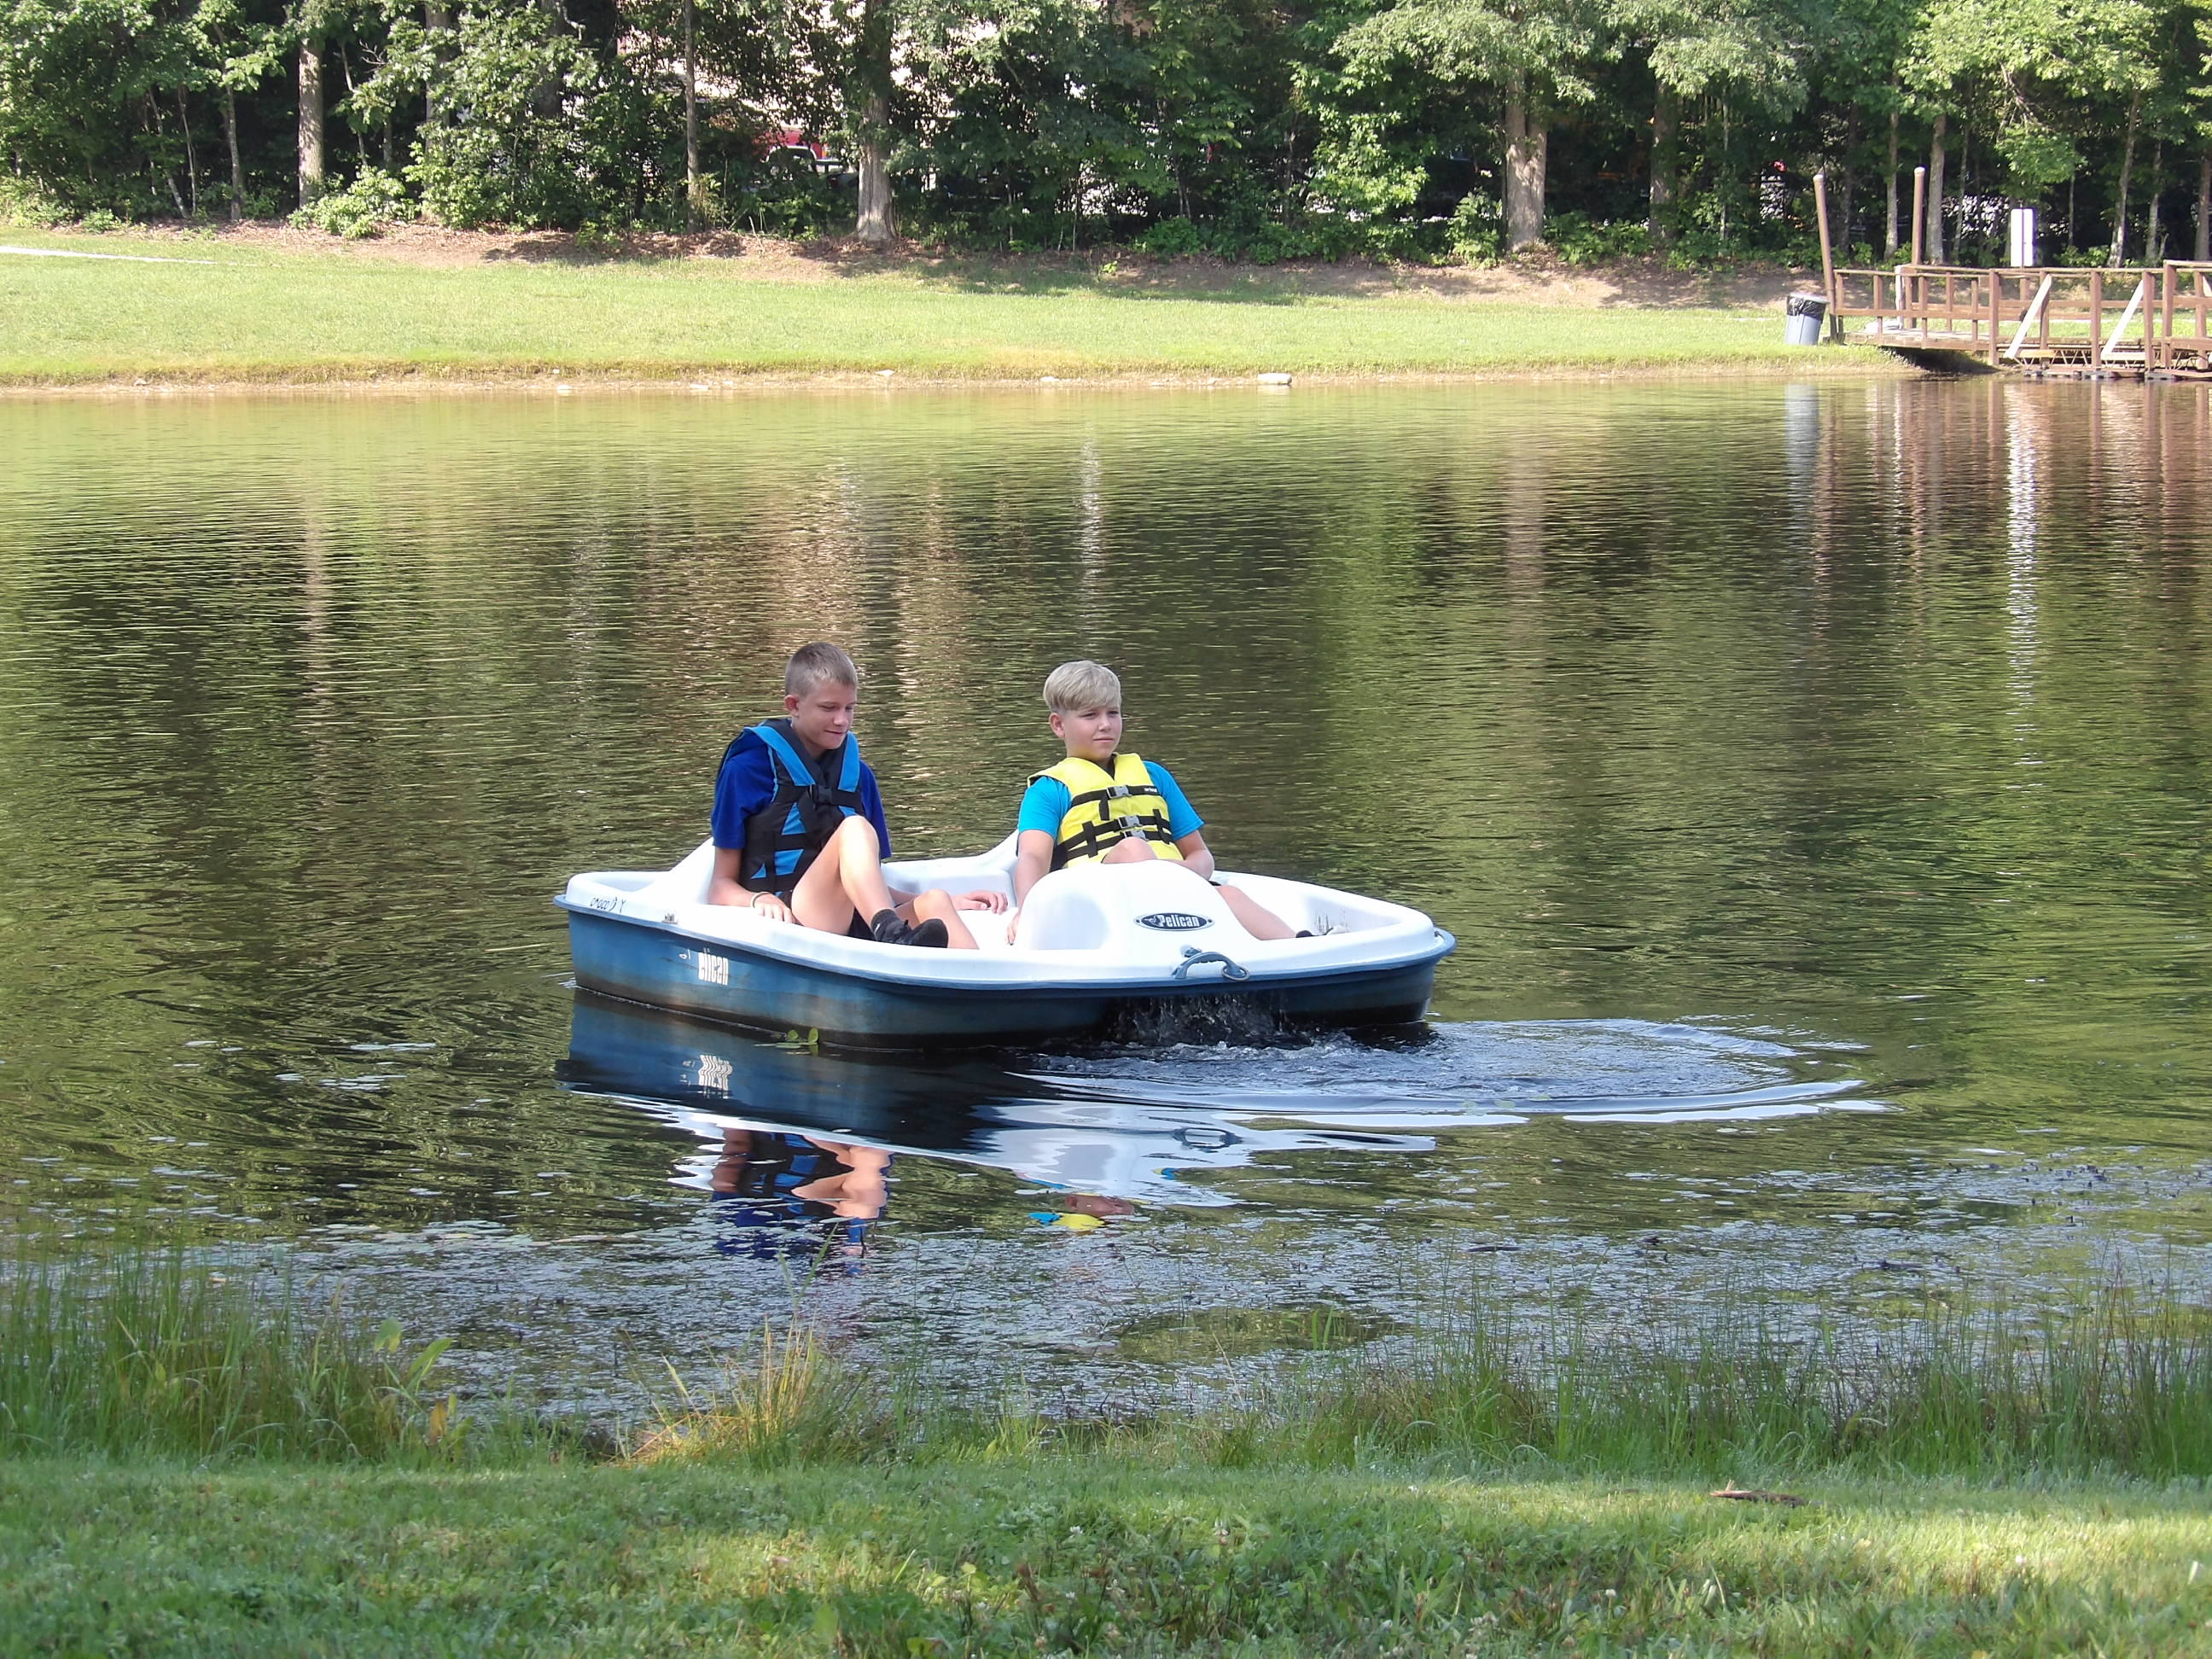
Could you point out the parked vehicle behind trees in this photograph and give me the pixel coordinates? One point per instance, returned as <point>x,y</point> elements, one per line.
<point>1412,128</point>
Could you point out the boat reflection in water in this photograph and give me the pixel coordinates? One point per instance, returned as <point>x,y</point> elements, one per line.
<point>796,1145</point>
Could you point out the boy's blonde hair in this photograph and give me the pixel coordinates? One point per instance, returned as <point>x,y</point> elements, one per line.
<point>820,664</point>
<point>1077,688</point>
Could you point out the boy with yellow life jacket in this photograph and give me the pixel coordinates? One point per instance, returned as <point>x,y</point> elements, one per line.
<point>800,834</point>
<point>1101,805</point>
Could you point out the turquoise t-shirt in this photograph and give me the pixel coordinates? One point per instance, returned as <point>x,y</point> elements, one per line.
<point>1046,804</point>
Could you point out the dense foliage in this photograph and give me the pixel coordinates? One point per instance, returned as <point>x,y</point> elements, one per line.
<point>1256,128</point>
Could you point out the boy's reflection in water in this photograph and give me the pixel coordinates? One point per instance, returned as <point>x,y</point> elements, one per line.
<point>778,1194</point>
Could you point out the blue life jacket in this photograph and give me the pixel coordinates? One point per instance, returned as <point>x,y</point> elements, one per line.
<point>761,1217</point>
<point>810,800</point>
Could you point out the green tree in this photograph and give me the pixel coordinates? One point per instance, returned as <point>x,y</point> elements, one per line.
<point>535,126</point>
<point>234,53</point>
<point>87,100</point>
<point>1535,56</point>
<point>1754,50</point>
<point>2040,76</point>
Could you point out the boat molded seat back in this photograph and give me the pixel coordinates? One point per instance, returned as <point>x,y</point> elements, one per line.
<point>1125,908</point>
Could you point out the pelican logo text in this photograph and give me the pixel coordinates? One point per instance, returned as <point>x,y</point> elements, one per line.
<point>1175,921</point>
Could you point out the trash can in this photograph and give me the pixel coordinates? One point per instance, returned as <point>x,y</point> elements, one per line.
<point>1803,314</point>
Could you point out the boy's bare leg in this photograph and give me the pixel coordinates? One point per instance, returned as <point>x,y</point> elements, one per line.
<point>938,904</point>
<point>1252,917</point>
<point>848,880</point>
<point>847,877</point>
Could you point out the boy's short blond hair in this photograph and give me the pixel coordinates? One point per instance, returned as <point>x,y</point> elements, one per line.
<point>1077,688</point>
<point>812,666</point>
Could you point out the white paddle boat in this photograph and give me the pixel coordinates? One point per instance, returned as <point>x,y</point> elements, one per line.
<point>1094,943</point>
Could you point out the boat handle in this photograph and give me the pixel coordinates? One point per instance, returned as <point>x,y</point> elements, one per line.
<point>1195,958</point>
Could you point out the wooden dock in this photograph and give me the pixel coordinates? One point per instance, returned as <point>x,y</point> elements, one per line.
<point>2134,322</point>
<point>2073,322</point>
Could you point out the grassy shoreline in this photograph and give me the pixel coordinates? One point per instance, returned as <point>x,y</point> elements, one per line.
<point>178,315</point>
<point>201,1454</point>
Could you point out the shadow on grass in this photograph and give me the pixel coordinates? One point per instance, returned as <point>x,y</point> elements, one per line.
<point>1118,273</point>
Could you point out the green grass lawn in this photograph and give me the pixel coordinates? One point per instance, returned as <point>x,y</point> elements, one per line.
<point>1085,1554</point>
<point>277,315</point>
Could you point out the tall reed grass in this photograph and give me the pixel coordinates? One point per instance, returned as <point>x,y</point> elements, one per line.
<point>138,1349</point>
<point>141,1349</point>
<point>2116,1381</point>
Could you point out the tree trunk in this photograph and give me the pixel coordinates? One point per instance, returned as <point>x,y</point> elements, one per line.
<point>2204,208</point>
<point>237,172</point>
<point>1525,154</point>
<point>1663,166</point>
<point>545,102</point>
<point>437,20</point>
<point>877,224</point>
<point>690,124</point>
<point>2127,168</point>
<point>192,163</point>
<point>1934,249</point>
<point>359,134</point>
<point>1889,208</point>
<point>2154,237</point>
<point>311,120</point>
<point>1845,178</point>
<point>149,122</point>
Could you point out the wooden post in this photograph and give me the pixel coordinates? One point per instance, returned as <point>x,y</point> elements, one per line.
<point>1996,313</point>
<point>1828,248</point>
<point>1920,243</point>
<point>2164,357</point>
<point>2096,317</point>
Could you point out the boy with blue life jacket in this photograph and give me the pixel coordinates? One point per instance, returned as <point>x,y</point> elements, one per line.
<point>800,834</point>
<point>1101,805</point>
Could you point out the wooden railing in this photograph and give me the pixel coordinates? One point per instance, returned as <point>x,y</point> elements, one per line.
<point>2134,319</point>
<point>2184,342</point>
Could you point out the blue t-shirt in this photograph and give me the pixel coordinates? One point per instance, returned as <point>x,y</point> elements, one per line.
<point>1047,802</point>
<point>747,784</point>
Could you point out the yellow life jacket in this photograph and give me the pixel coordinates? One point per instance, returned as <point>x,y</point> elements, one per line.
<point>1104,807</point>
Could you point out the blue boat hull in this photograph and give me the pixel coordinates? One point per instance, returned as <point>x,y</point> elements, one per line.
<point>640,962</point>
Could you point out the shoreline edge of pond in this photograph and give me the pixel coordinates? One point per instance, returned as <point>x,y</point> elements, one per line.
<point>402,380</point>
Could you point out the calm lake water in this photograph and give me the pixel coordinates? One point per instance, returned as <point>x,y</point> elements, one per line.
<point>1817,779</point>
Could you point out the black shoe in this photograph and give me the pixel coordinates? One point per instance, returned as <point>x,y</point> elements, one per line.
<point>888,929</point>
<point>1305,933</point>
